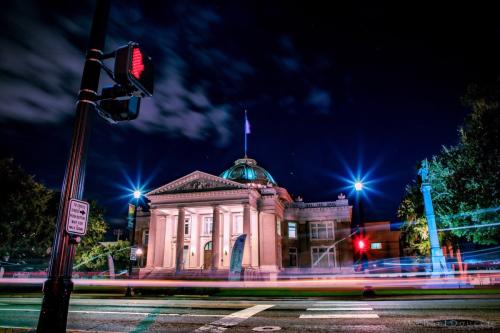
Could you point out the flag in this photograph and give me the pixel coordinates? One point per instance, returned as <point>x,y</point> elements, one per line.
<point>247,125</point>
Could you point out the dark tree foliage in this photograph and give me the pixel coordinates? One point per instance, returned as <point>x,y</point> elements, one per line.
<point>465,178</point>
<point>27,213</point>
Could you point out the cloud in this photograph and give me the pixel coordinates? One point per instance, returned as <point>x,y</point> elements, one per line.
<point>41,72</point>
<point>320,100</point>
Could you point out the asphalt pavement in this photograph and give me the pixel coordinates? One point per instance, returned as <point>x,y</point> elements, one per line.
<point>205,314</point>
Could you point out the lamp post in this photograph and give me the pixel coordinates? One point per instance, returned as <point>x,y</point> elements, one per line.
<point>359,223</point>
<point>131,225</point>
<point>58,286</point>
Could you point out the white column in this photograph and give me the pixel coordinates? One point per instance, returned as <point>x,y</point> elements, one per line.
<point>180,240</point>
<point>167,255</point>
<point>226,239</point>
<point>216,238</point>
<point>151,239</point>
<point>247,256</point>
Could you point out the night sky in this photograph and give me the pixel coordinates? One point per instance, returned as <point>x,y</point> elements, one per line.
<point>332,92</point>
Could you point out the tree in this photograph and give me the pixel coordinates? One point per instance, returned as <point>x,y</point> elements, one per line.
<point>414,231</point>
<point>27,213</point>
<point>465,178</point>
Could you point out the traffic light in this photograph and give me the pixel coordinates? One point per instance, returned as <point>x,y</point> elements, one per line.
<point>360,245</point>
<point>115,110</point>
<point>134,70</point>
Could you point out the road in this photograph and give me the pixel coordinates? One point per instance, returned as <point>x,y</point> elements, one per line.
<point>207,314</point>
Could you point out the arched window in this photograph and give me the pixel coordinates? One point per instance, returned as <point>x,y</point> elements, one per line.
<point>208,246</point>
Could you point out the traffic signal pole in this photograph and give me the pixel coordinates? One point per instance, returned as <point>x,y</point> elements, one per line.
<point>58,286</point>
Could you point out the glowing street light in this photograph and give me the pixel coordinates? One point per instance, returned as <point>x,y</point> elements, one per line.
<point>358,186</point>
<point>137,194</point>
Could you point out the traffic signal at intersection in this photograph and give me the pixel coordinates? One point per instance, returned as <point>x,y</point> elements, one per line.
<point>133,74</point>
<point>134,70</point>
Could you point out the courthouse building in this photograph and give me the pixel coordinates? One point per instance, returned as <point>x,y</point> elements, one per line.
<point>193,222</point>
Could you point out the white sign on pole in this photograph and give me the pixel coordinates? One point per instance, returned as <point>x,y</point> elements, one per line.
<point>133,253</point>
<point>78,217</point>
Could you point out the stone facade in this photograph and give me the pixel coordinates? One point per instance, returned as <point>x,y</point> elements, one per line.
<point>194,221</point>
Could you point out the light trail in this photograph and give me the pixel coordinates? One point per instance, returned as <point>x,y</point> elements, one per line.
<point>380,281</point>
<point>471,226</point>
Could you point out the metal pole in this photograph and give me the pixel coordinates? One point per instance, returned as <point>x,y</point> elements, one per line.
<point>129,291</point>
<point>57,289</point>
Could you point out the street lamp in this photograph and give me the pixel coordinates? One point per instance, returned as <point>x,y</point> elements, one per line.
<point>359,223</point>
<point>358,186</point>
<point>132,217</point>
<point>139,254</point>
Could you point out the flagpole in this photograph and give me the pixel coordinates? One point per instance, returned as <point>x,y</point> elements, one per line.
<point>245,131</point>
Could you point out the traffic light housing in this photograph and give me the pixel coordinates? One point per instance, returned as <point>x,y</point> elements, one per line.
<point>115,110</point>
<point>134,70</point>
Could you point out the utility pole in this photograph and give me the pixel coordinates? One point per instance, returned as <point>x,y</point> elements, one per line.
<point>58,286</point>
<point>437,258</point>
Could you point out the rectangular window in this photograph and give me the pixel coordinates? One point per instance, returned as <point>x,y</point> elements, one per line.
<point>145,237</point>
<point>323,257</point>
<point>376,246</point>
<point>237,224</point>
<point>187,223</point>
<point>292,254</point>
<point>207,225</point>
<point>292,230</point>
<point>322,230</point>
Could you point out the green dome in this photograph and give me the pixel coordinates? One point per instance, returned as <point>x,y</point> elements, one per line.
<point>245,170</point>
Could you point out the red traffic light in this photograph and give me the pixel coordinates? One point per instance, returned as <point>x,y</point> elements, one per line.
<point>137,65</point>
<point>134,70</point>
<point>360,244</point>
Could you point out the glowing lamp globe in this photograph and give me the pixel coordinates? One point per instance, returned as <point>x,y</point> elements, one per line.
<point>358,186</point>
<point>137,194</point>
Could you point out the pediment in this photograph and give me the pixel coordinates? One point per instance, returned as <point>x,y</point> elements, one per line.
<point>197,182</point>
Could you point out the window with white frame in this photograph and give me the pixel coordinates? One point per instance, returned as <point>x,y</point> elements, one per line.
<point>376,246</point>
<point>322,230</point>
<point>292,230</point>
<point>145,237</point>
<point>322,256</point>
<point>207,225</point>
<point>187,225</point>
<point>237,224</point>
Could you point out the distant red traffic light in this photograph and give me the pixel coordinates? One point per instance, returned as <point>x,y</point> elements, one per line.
<point>360,245</point>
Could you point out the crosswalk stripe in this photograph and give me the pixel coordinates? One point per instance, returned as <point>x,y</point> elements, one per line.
<point>340,316</point>
<point>340,309</point>
<point>232,319</point>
